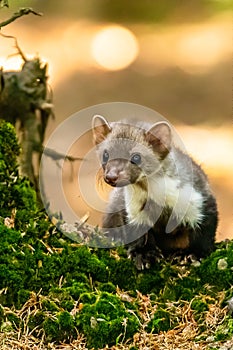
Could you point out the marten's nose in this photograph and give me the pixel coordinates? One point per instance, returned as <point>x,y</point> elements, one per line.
<point>111,177</point>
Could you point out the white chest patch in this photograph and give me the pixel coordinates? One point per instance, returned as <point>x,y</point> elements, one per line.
<point>184,202</point>
<point>135,199</point>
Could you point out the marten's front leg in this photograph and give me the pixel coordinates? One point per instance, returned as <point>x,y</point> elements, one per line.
<point>144,251</point>
<point>113,226</point>
<point>141,247</point>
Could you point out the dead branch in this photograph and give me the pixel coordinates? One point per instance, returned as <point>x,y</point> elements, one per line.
<point>20,52</point>
<point>31,109</point>
<point>22,12</point>
<point>59,156</point>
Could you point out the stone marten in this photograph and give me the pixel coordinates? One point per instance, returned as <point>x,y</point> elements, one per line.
<point>161,199</point>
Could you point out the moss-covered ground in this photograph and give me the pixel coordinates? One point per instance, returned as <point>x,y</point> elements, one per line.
<point>57,294</point>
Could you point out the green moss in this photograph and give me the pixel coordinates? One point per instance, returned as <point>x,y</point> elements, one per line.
<point>9,147</point>
<point>107,287</point>
<point>161,321</point>
<point>49,305</point>
<point>124,274</point>
<point>74,276</point>
<point>65,320</point>
<point>62,297</point>
<point>150,281</point>
<point>51,329</point>
<point>66,326</point>
<point>80,281</point>
<point>225,330</point>
<point>13,319</point>
<point>22,296</point>
<point>7,327</point>
<point>199,306</point>
<point>2,313</point>
<point>88,298</point>
<point>35,320</point>
<point>15,192</point>
<point>181,288</point>
<point>73,288</point>
<point>216,269</point>
<point>106,320</point>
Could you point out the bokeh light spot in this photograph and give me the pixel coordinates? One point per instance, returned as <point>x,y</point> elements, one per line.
<point>114,47</point>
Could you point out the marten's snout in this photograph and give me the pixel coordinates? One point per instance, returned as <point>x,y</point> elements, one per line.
<point>115,173</point>
<point>111,177</point>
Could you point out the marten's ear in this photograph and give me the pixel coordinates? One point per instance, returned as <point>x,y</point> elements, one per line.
<point>160,137</point>
<point>100,128</point>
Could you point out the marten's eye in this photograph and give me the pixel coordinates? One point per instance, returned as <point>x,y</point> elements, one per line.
<point>136,159</point>
<point>105,157</point>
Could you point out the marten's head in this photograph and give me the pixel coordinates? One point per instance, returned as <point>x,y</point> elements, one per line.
<point>130,152</point>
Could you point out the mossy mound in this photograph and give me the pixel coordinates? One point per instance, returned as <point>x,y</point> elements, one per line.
<point>60,290</point>
<point>106,319</point>
<point>15,193</point>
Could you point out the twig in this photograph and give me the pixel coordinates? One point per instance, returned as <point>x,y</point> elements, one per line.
<point>58,156</point>
<point>16,45</point>
<point>22,12</point>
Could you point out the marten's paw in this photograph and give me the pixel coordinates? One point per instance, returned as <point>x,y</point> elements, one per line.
<point>144,260</point>
<point>140,262</point>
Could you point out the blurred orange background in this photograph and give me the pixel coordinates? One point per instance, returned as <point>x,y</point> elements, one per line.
<point>174,57</point>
